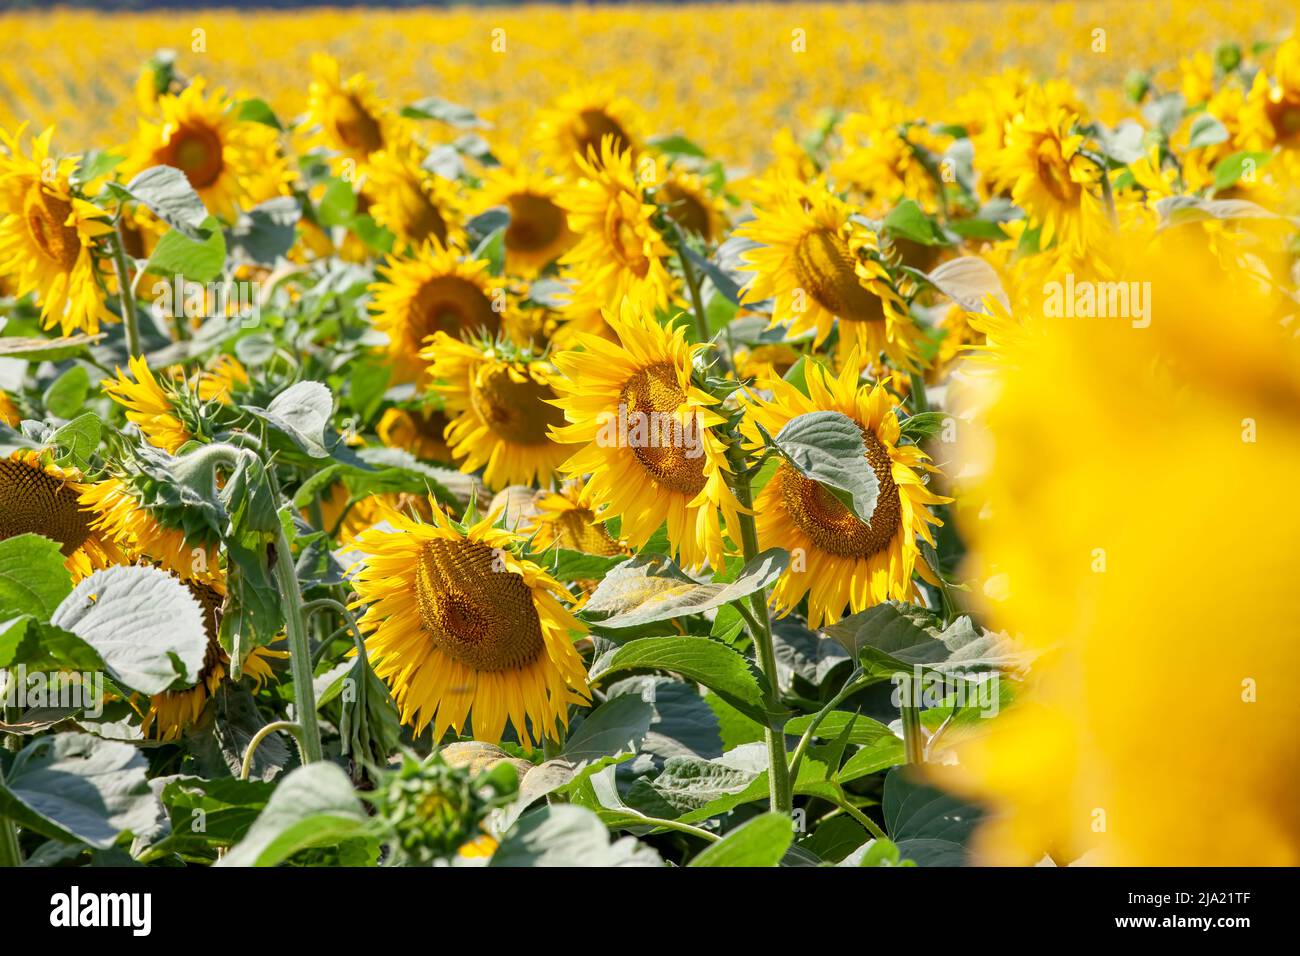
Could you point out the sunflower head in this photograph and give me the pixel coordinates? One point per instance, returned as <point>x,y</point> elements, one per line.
<point>419,430</point>
<point>49,236</point>
<point>820,267</point>
<point>538,232</point>
<point>157,408</point>
<point>414,204</point>
<point>650,438</point>
<point>460,628</point>
<point>9,413</point>
<point>620,252</point>
<point>840,561</point>
<point>500,401</point>
<point>351,119</point>
<point>431,290</point>
<point>687,200</point>
<point>579,122</point>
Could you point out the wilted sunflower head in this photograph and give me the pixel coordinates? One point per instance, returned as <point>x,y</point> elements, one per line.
<point>577,124</point>
<point>461,629</point>
<point>350,117</point>
<point>502,410</point>
<point>821,267</point>
<point>843,561</point>
<point>649,435</point>
<point>48,235</point>
<point>412,203</point>
<point>538,232</point>
<point>155,408</point>
<point>620,252</point>
<point>428,291</point>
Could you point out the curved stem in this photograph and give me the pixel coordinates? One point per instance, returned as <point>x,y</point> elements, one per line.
<point>781,793</point>
<point>126,294</point>
<point>869,824</point>
<point>287,725</point>
<point>850,685</point>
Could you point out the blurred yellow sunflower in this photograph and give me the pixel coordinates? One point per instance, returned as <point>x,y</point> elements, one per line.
<point>412,203</point>
<point>579,122</point>
<point>501,411</point>
<point>620,254</point>
<point>538,232</point>
<point>231,163</point>
<point>350,118</point>
<point>9,413</point>
<point>149,405</point>
<point>689,202</point>
<point>432,290</point>
<point>820,267</point>
<point>650,437</point>
<point>173,712</point>
<point>839,561</point>
<point>567,519</point>
<point>879,157</point>
<point>1273,105</point>
<point>460,628</point>
<point>1043,168</point>
<point>39,497</point>
<point>48,235</point>
<point>419,431</point>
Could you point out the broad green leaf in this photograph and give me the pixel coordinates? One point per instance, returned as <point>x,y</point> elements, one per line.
<point>827,447</point>
<point>1231,169</point>
<point>144,623</point>
<point>302,413</point>
<point>77,440</point>
<point>968,280</point>
<point>33,579</point>
<point>66,395</point>
<point>716,666</point>
<point>168,194</point>
<point>908,221</point>
<point>266,232</point>
<point>677,145</point>
<point>567,835</point>
<point>76,787</point>
<point>257,111</point>
<point>617,726</point>
<point>206,814</point>
<point>46,350</point>
<point>1178,210</point>
<point>1206,131</point>
<point>761,841</point>
<point>651,588</point>
<point>915,810</point>
<point>436,108</point>
<point>313,806</point>
<point>861,729</point>
<point>195,260</point>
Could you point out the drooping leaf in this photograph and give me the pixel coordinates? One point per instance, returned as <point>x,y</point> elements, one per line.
<point>827,447</point>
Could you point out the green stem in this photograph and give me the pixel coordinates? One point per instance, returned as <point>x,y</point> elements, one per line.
<point>286,725</point>
<point>126,294</point>
<point>693,283</point>
<point>11,853</point>
<point>850,685</point>
<point>869,824</point>
<point>913,736</point>
<point>920,403</point>
<point>780,788</point>
<point>300,663</point>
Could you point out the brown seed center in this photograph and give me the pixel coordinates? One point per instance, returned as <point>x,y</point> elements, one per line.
<point>47,222</point>
<point>196,151</point>
<point>32,502</point>
<point>453,305</point>
<point>671,452</point>
<point>535,222</point>
<point>824,267</point>
<point>473,609</point>
<point>591,126</point>
<point>514,410</point>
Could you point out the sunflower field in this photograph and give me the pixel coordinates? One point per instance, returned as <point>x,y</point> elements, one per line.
<point>753,435</point>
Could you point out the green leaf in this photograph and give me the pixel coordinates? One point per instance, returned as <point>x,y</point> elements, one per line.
<point>1206,131</point>
<point>567,835</point>
<point>195,260</point>
<point>860,728</point>
<point>1178,210</point>
<point>493,250</point>
<point>142,621</point>
<point>615,727</point>
<point>168,194</point>
<point>67,394</point>
<point>968,281</point>
<point>77,440</point>
<point>33,579</point>
<point>569,565</point>
<point>827,447</point>
<point>1229,170</point>
<point>76,787</point>
<point>677,145</point>
<point>761,841</point>
<point>436,108</point>
<point>302,414</point>
<point>716,666</point>
<point>923,425</point>
<point>46,350</point>
<point>313,806</point>
<point>651,588</point>
<point>338,205</point>
<point>908,221</point>
<point>266,232</point>
<point>257,111</point>
<point>916,810</point>
<point>206,814</point>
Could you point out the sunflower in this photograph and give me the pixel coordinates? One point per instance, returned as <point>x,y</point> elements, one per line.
<point>838,560</point>
<point>9,413</point>
<point>460,628</point>
<point>502,410</point>
<point>619,252</point>
<point>579,122</point>
<point>216,383</point>
<point>880,158</point>
<point>119,518</point>
<point>819,267</point>
<point>432,290</point>
<point>149,405</point>
<point>650,438</point>
<point>1274,108</point>
<point>1044,169</point>
<point>351,119</point>
<point>687,200</point>
<point>172,712</point>
<point>538,232</point>
<point>419,431</point>
<point>48,235</point>
<point>231,163</point>
<point>567,519</point>
<point>409,201</point>
<point>38,497</point>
